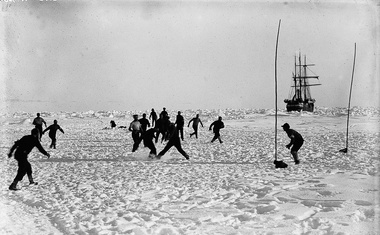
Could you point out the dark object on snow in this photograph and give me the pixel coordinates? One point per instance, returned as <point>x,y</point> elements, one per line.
<point>113,124</point>
<point>343,150</point>
<point>280,164</point>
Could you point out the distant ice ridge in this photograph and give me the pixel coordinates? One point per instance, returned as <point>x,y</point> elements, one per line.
<point>354,111</point>
<point>206,114</point>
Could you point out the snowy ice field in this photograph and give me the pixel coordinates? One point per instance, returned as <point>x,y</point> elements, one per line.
<point>93,184</point>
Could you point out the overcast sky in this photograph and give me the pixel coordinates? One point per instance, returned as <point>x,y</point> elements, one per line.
<point>136,55</point>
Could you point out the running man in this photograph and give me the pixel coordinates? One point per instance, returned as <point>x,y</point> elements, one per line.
<point>218,124</point>
<point>53,132</point>
<point>196,120</point>
<point>37,122</point>
<point>23,147</point>
<point>174,140</point>
<point>295,139</point>
<point>135,128</point>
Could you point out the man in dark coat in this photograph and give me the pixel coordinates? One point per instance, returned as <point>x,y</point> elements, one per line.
<point>148,137</point>
<point>153,116</point>
<point>37,122</point>
<point>53,132</point>
<point>164,112</point>
<point>218,124</point>
<point>144,122</point>
<point>180,122</point>
<point>23,147</point>
<point>160,126</point>
<point>296,141</point>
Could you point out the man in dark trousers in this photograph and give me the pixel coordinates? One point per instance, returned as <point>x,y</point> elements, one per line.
<point>160,126</point>
<point>144,122</point>
<point>53,132</point>
<point>218,124</point>
<point>196,120</point>
<point>37,122</point>
<point>174,140</point>
<point>148,137</point>
<point>295,139</point>
<point>23,147</point>
<point>135,128</point>
<point>153,116</point>
<point>166,123</point>
<point>180,122</point>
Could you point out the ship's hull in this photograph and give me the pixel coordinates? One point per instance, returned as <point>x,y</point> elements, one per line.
<point>299,106</point>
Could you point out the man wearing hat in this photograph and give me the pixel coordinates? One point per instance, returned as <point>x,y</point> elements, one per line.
<point>295,139</point>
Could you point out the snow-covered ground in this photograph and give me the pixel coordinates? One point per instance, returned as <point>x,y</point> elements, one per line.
<point>93,184</point>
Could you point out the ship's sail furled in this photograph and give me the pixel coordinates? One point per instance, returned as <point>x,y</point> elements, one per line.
<point>300,96</point>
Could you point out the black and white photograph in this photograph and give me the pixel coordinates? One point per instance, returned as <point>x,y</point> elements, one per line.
<point>190,117</point>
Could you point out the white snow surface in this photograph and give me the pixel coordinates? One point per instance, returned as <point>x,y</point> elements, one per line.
<point>93,184</point>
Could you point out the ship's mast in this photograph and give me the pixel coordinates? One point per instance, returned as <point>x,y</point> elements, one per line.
<point>295,77</point>
<point>300,76</point>
<point>300,82</point>
<point>300,90</point>
<point>304,80</point>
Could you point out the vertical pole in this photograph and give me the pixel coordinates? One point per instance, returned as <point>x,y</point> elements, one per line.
<point>349,99</point>
<point>275,93</point>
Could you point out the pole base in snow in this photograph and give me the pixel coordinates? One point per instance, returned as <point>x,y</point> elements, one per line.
<point>280,164</point>
<point>343,150</point>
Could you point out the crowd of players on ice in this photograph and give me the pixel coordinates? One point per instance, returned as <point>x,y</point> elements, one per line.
<point>142,131</point>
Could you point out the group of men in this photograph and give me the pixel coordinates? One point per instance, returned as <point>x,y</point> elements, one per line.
<point>171,132</point>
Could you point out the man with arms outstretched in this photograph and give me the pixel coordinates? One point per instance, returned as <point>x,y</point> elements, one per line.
<point>23,147</point>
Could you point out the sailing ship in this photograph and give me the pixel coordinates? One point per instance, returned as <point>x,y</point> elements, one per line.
<point>300,96</point>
